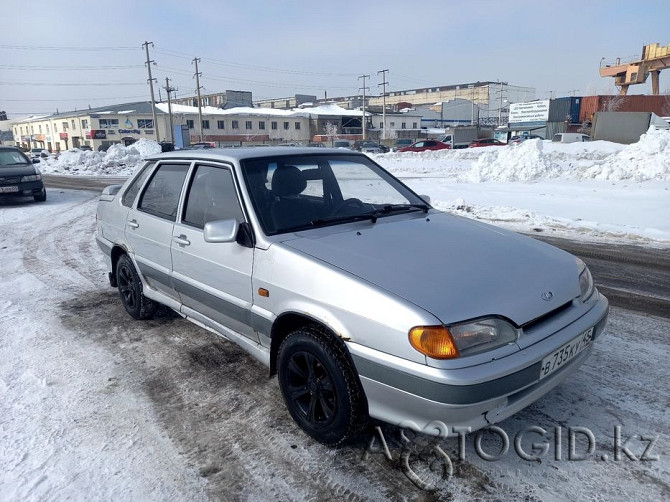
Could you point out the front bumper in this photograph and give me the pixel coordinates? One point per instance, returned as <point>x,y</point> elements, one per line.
<point>25,189</point>
<point>434,400</point>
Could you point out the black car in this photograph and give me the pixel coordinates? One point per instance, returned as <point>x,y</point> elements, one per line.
<point>18,176</point>
<point>368,146</point>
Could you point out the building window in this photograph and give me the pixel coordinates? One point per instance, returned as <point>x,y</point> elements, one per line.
<point>403,125</point>
<point>273,126</point>
<point>248,125</point>
<point>205,124</point>
<point>104,124</point>
<point>235,125</point>
<point>55,128</point>
<point>220,124</point>
<point>261,125</point>
<point>413,125</point>
<point>145,123</point>
<point>190,124</point>
<point>286,124</point>
<point>47,128</point>
<point>392,124</point>
<point>297,126</point>
<point>40,128</point>
<point>64,126</point>
<point>84,124</point>
<point>381,125</point>
<point>74,125</point>
<point>21,130</point>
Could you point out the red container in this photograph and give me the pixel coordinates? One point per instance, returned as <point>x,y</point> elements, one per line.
<point>660,105</point>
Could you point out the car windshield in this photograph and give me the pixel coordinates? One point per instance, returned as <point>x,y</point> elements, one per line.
<point>12,158</point>
<point>291,193</point>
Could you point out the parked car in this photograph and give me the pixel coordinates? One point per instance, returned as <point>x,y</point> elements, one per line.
<point>368,146</point>
<point>315,144</point>
<point>422,146</point>
<point>333,273</point>
<point>38,153</point>
<point>342,143</point>
<point>486,142</point>
<point>401,143</point>
<point>203,145</point>
<point>19,177</point>
<point>523,137</point>
<point>570,137</point>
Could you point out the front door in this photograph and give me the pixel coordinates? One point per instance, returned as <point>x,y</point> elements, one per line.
<point>213,279</point>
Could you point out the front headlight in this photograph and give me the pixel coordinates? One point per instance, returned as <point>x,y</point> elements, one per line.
<point>33,177</point>
<point>586,287</point>
<point>448,342</point>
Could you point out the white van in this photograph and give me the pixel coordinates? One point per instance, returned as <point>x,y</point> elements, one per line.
<point>570,137</point>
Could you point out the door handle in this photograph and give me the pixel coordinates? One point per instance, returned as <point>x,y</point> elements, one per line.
<point>133,224</point>
<point>182,240</point>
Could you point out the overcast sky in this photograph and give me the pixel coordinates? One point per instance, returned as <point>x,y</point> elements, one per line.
<point>57,55</point>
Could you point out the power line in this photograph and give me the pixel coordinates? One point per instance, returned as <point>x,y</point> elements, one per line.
<point>78,68</point>
<point>66,48</point>
<point>72,84</point>
<point>75,99</point>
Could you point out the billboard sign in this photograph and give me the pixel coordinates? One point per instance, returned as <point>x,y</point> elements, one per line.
<point>529,113</point>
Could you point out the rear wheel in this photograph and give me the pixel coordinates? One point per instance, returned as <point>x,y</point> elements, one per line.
<point>320,386</point>
<point>130,290</point>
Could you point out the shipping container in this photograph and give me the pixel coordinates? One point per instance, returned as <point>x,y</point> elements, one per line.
<point>660,105</point>
<point>562,109</point>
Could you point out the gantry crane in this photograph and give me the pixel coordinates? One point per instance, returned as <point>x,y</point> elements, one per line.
<point>654,59</point>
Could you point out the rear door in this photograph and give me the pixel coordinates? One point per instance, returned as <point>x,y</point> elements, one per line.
<point>149,225</point>
<point>213,279</point>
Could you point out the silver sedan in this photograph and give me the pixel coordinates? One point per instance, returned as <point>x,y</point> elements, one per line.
<point>361,297</point>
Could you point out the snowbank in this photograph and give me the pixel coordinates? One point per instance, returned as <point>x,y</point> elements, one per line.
<point>119,160</point>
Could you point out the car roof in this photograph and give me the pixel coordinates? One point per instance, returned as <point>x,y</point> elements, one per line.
<point>237,154</point>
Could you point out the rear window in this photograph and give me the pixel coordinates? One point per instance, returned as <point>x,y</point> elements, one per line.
<point>557,137</point>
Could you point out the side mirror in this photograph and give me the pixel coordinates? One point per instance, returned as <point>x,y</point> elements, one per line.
<point>221,230</point>
<point>111,190</point>
<point>426,199</point>
<point>36,161</point>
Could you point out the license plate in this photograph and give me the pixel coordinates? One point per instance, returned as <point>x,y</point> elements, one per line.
<point>8,189</point>
<point>566,353</point>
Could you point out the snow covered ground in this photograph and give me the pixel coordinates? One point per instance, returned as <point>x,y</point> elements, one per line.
<point>97,406</point>
<point>596,190</point>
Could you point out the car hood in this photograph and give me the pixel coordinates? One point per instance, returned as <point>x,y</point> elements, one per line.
<point>455,268</point>
<point>18,170</point>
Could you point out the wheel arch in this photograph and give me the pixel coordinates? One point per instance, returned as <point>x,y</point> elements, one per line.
<point>115,254</point>
<point>287,323</point>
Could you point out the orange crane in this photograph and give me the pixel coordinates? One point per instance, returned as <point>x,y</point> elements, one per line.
<point>654,59</point>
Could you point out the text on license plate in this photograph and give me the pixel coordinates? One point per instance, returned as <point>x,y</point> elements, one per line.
<point>566,353</point>
<point>9,189</point>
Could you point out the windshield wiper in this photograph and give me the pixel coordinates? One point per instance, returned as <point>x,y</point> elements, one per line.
<point>372,216</point>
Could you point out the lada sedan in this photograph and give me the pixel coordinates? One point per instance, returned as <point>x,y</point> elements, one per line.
<point>361,297</point>
<point>19,177</point>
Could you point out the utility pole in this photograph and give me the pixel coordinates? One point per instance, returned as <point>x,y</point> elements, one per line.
<point>383,84</point>
<point>151,88</point>
<point>364,77</point>
<point>169,89</point>
<point>197,88</point>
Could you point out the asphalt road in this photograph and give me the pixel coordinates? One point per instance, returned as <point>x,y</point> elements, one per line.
<point>632,277</point>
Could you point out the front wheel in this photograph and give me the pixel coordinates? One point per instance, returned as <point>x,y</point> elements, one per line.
<point>42,196</point>
<point>130,290</point>
<point>320,386</point>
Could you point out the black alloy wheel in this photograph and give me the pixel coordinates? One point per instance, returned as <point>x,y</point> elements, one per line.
<point>320,386</point>
<point>130,290</point>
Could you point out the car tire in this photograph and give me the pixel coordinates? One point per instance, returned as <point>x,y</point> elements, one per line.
<point>130,290</point>
<point>320,387</point>
<point>42,196</point>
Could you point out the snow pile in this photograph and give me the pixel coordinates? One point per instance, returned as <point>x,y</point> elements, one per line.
<point>648,159</point>
<point>522,162</point>
<point>119,160</point>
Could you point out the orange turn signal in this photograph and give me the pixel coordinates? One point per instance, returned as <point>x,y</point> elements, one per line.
<point>433,341</point>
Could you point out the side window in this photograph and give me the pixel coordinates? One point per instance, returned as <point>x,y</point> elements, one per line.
<point>161,197</point>
<point>211,197</point>
<point>130,194</point>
